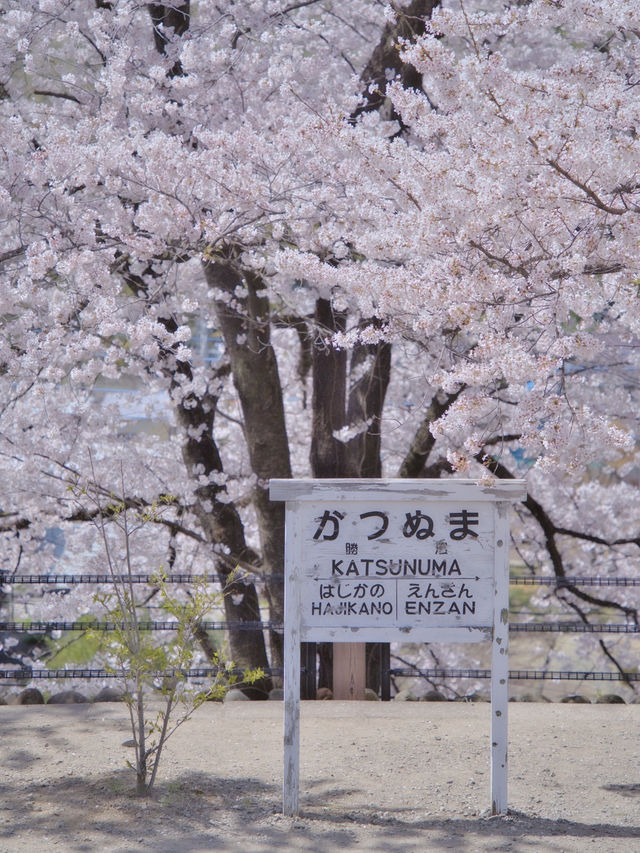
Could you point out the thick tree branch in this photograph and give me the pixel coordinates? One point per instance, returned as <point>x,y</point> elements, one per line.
<point>64,95</point>
<point>12,253</point>
<point>591,194</point>
<point>414,463</point>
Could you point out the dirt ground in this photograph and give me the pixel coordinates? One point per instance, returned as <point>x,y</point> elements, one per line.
<point>380,777</point>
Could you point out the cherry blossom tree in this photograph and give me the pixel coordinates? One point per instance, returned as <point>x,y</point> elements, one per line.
<point>123,176</point>
<point>414,230</point>
<point>501,231</point>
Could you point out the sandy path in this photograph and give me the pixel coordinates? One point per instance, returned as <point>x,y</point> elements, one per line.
<point>392,777</point>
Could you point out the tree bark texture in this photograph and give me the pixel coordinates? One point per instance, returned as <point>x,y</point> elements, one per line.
<point>365,403</point>
<point>414,463</point>
<point>409,25</point>
<point>338,403</point>
<point>223,526</point>
<point>244,321</point>
<point>328,456</point>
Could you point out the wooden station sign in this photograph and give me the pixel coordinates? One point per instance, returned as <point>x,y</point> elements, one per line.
<point>396,561</point>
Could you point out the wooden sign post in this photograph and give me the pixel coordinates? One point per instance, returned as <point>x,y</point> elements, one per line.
<point>349,670</point>
<point>396,561</point>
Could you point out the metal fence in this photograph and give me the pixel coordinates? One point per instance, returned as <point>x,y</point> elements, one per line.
<point>62,583</point>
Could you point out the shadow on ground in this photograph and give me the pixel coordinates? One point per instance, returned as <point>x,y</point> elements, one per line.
<point>199,812</point>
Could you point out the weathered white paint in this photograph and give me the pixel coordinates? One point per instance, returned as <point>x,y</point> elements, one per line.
<point>362,567</point>
<point>314,490</point>
<point>500,663</point>
<point>293,553</point>
<point>350,543</point>
<point>398,635</point>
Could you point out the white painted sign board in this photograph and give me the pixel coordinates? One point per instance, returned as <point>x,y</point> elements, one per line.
<point>397,561</point>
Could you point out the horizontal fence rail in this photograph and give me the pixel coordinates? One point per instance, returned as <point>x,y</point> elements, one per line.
<point>36,627</point>
<point>205,672</point>
<point>12,672</point>
<point>108,578</point>
<point>90,673</point>
<point>155,625</point>
<point>519,580</point>
<point>527,580</point>
<point>520,674</point>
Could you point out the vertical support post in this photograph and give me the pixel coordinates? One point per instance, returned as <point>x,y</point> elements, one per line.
<point>349,670</point>
<point>500,662</point>
<point>308,688</point>
<point>293,555</point>
<point>385,672</point>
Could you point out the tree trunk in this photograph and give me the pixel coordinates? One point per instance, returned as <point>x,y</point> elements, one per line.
<point>244,321</point>
<point>219,519</point>
<point>410,23</point>
<point>366,401</point>
<point>328,456</point>
<point>223,526</point>
<point>359,457</point>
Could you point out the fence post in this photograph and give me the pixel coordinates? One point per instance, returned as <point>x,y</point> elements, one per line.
<point>308,688</point>
<point>385,672</point>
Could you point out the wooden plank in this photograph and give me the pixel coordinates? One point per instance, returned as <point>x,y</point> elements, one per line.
<point>346,490</point>
<point>349,670</point>
<point>500,663</point>
<point>418,634</point>
<point>291,779</point>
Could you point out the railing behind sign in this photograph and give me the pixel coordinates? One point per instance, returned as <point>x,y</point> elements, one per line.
<point>20,675</point>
